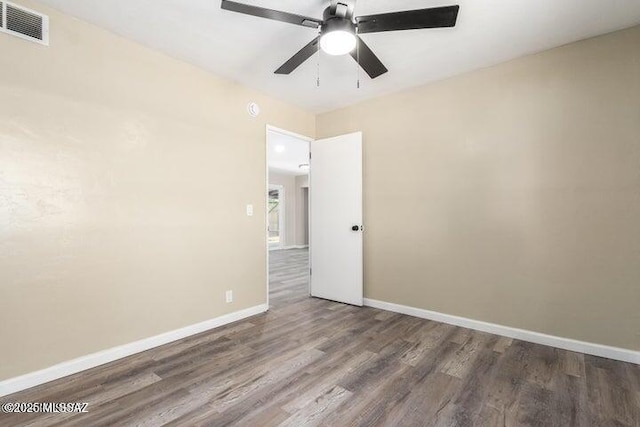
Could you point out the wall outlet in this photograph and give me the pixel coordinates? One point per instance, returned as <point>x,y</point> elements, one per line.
<point>228,296</point>
<point>249,210</point>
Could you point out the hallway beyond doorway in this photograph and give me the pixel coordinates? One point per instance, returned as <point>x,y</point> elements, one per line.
<point>288,276</point>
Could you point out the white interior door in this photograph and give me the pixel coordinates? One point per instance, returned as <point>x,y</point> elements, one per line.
<point>335,238</point>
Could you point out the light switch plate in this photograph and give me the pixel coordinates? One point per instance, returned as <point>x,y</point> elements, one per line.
<point>249,210</point>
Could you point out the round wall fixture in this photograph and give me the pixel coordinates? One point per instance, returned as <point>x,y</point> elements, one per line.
<point>253,109</point>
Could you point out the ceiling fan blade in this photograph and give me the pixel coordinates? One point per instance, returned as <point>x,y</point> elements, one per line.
<point>276,15</point>
<point>296,60</point>
<point>435,17</point>
<point>368,60</point>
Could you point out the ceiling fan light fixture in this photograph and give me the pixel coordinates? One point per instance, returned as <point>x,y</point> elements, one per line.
<point>338,42</point>
<point>340,29</point>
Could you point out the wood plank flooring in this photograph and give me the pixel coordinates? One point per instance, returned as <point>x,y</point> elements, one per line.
<point>313,362</point>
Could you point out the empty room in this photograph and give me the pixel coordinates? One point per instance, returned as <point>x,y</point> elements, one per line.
<point>320,213</point>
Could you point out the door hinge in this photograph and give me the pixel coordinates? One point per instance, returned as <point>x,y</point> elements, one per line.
<point>310,271</point>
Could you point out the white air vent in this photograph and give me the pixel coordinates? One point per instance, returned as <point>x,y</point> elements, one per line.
<point>24,23</point>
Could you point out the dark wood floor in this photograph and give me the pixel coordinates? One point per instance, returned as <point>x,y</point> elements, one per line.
<point>314,362</point>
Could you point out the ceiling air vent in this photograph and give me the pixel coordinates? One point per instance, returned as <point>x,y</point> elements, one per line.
<point>24,23</point>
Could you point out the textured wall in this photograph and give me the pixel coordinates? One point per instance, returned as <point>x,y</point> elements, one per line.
<point>124,176</point>
<point>511,194</point>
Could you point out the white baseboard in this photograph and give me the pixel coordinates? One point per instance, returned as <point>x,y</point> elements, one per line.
<point>609,352</point>
<point>70,367</point>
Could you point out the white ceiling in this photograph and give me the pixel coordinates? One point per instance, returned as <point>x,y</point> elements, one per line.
<point>248,49</point>
<point>286,153</point>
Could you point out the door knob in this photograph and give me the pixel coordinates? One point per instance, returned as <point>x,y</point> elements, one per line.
<point>355,228</point>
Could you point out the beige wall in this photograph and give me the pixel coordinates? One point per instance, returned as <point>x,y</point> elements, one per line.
<point>511,194</point>
<point>295,232</point>
<point>124,176</point>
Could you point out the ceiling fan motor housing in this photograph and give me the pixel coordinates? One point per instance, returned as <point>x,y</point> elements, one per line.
<point>336,23</point>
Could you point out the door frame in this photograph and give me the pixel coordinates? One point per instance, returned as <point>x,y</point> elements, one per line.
<point>281,215</point>
<point>271,128</point>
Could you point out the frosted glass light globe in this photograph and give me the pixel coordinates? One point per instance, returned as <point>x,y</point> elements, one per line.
<point>338,42</point>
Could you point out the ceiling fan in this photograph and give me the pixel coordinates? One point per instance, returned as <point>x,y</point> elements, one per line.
<point>340,29</point>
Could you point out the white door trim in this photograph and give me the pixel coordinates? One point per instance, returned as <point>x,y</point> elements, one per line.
<point>288,133</point>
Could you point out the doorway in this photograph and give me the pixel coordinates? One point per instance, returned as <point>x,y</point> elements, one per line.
<point>287,216</point>
<point>319,223</point>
